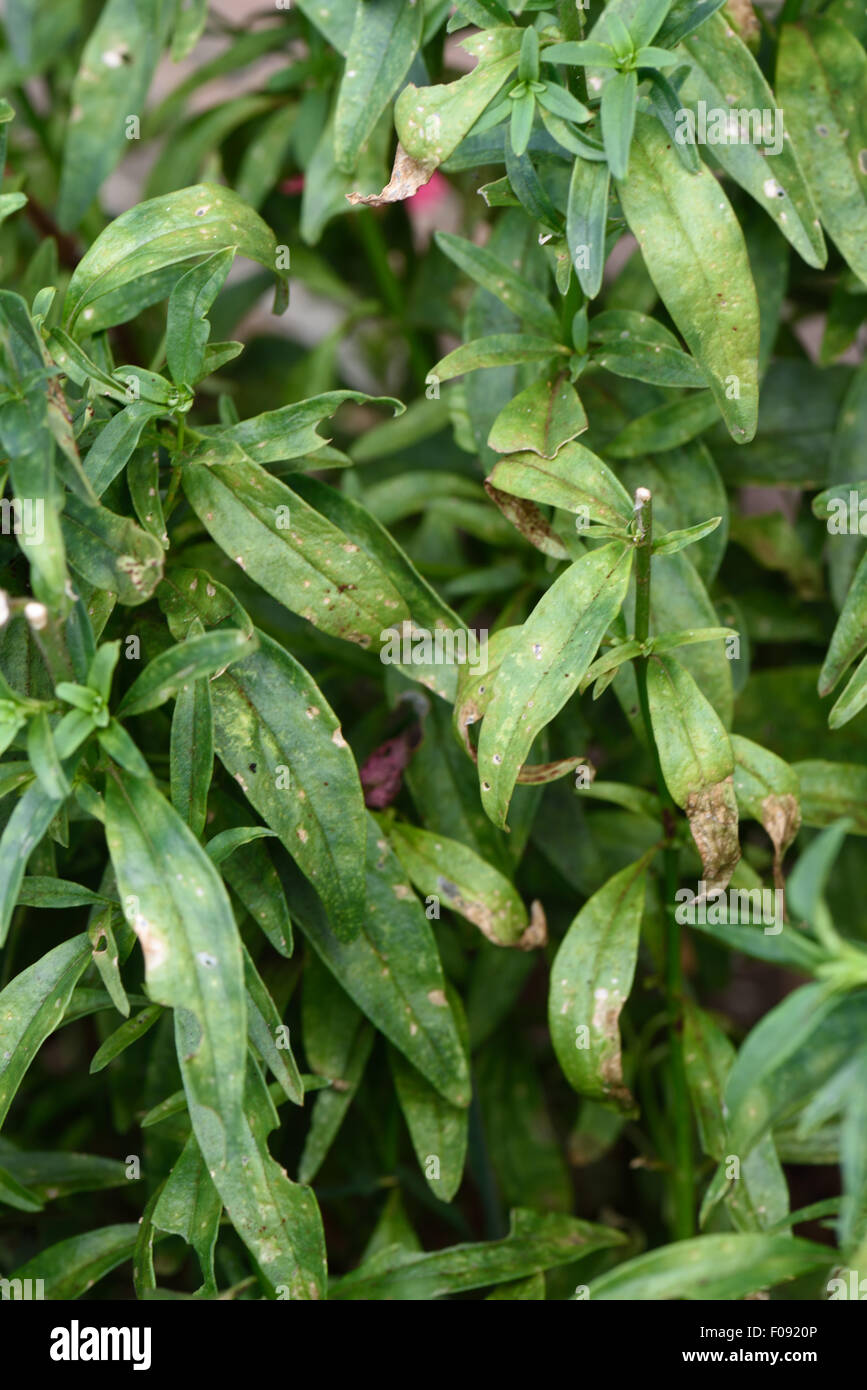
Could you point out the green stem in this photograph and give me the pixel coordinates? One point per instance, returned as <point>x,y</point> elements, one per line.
<point>682,1180</point>
<point>390,288</point>
<point>790,13</point>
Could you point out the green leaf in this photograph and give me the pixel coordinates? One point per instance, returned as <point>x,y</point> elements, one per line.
<point>73,1266</point>
<point>187,327</point>
<point>191,753</point>
<point>254,880</point>
<point>591,977</point>
<point>696,256</point>
<point>495,275</point>
<point>193,962</point>
<point>438,1129</point>
<point>575,480</point>
<point>32,1006</point>
<point>277,736</point>
<point>26,826</point>
<point>636,346</point>
<point>117,64</point>
<point>544,665</point>
<point>286,546</point>
<point>124,1036</point>
<point>725,74</point>
<point>408,1003</point>
<point>384,41</point>
<point>497,350</point>
<point>535,1241</point>
<point>170,672</point>
<point>831,790</point>
<point>112,552</point>
<point>821,68</point>
<point>586,221</point>
<point>44,758</point>
<point>540,419</point>
<point>849,638</point>
<point>189,1206</point>
<point>337,1044</point>
<point>447,870</point>
<point>665,427</point>
<point>189,27</point>
<point>697,762</point>
<point>767,790</point>
<point>432,121</point>
<point>269,1034</point>
<point>709,1267</point>
<point>617,115</point>
<point>118,275</point>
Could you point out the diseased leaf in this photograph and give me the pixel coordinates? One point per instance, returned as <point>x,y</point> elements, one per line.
<point>821,69</point>
<point>697,763</point>
<point>536,1241</point>
<point>119,274</point>
<point>544,665</point>
<point>277,736</point>
<point>454,874</point>
<point>591,977</point>
<point>696,256</point>
<point>392,971</point>
<point>383,43</point>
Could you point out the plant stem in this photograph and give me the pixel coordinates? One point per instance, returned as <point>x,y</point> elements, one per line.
<point>682,1183</point>
<point>393,293</point>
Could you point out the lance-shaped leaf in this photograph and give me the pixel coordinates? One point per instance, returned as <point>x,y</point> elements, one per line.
<point>269,1035</point>
<point>544,665</point>
<point>849,638</point>
<point>187,327</point>
<point>180,912</point>
<point>636,346</point>
<point>697,762</point>
<point>452,872</point>
<point>337,1042</point>
<point>760,1198</point>
<point>71,1267</point>
<point>117,64</point>
<point>821,77</point>
<point>384,41</point>
<point>32,1006</point>
<point>767,790</point>
<point>496,350</point>
<point>575,480</point>
<point>540,419</point>
<point>529,520</point>
<point>191,753</point>
<point>295,554</point>
<point>492,273</point>
<point>695,253</point>
<point>438,1129</point>
<point>290,432</point>
<point>122,270</point>
<point>665,427</point>
<point>831,790</point>
<point>189,1206</point>
<point>252,877</point>
<point>535,1241</point>
<point>22,833</point>
<point>277,736</point>
<point>710,1267</point>
<point>591,978</point>
<point>853,698</point>
<point>169,673</point>
<point>392,970</point>
<point>116,443</point>
<point>428,610</point>
<point>432,121</point>
<point>586,220</point>
<point>725,74</point>
<point>617,115</point>
<point>112,552</point>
